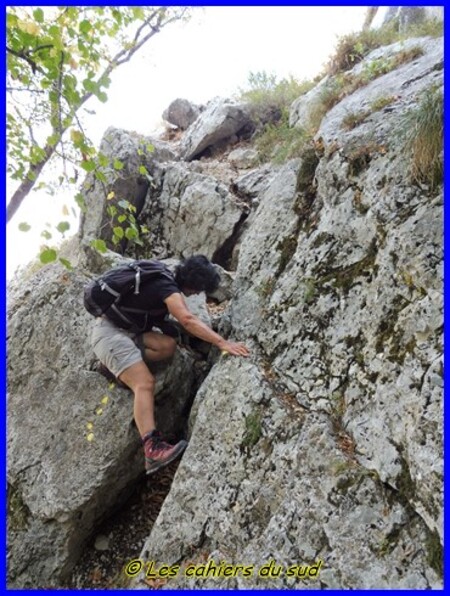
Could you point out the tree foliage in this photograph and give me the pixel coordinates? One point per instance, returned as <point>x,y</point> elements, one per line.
<point>58,58</point>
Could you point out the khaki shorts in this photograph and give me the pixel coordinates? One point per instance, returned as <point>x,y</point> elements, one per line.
<point>115,348</point>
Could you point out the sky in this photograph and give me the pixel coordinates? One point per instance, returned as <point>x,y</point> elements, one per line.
<point>212,55</point>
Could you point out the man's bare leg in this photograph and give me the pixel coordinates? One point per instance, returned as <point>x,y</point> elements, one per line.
<point>157,452</point>
<point>141,381</point>
<point>158,346</point>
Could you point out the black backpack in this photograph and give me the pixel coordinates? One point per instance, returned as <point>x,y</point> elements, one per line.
<point>103,295</point>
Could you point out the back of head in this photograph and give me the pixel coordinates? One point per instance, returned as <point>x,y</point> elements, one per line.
<point>198,274</point>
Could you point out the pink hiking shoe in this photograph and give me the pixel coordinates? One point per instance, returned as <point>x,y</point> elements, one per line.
<point>158,453</point>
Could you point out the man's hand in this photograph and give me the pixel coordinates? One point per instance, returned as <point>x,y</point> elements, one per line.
<point>178,309</point>
<point>234,348</point>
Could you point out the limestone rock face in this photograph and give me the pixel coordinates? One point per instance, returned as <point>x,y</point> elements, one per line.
<point>273,483</point>
<point>188,213</point>
<point>243,158</point>
<point>127,181</point>
<point>219,121</point>
<point>302,109</point>
<point>73,451</point>
<point>181,113</point>
<point>326,444</point>
<point>405,80</point>
<point>408,16</point>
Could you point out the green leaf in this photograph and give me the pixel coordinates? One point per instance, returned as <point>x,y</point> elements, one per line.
<point>24,227</point>
<point>122,218</point>
<point>118,231</point>
<point>138,13</point>
<point>90,86</point>
<point>45,234</point>
<point>11,20</point>
<point>131,234</point>
<point>150,148</point>
<point>48,255</point>
<point>53,30</point>
<point>101,95</point>
<point>99,245</point>
<point>100,176</point>
<point>103,160</point>
<point>63,226</point>
<point>79,199</point>
<point>143,170</point>
<point>85,26</point>
<point>53,139</point>
<point>124,204</point>
<point>38,15</point>
<point>88,165</point>
<point>67,264</point>
<point>118,165</point>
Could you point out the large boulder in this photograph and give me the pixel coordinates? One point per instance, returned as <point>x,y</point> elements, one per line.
<point>273,483</point>
<point>181,113</point>
<point>406,79</point>
<point>188,213</point>
<point>74,454</point>
<point>402,86</point>
<point>221,119</point>
<point>243,158</point>
<point>130,159</point>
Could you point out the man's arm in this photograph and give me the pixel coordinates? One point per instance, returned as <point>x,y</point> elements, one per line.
<point>177,308</point>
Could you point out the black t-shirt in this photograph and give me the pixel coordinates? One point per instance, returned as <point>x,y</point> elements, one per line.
<point>152,294</point>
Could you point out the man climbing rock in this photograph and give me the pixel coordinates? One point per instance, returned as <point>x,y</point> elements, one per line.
<point>124,338</point>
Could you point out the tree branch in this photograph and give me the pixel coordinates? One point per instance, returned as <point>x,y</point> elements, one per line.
<point>120,58</point>
<point>28,89</point>
<point>28,183</point>
<point>24,56</point>
<point>39,48</point>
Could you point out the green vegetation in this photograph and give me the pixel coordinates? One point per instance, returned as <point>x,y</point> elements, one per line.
<point>266,288</point>
<point>435,554</point>
<point>422,128</point>
<point>58,59</point>
<point>253,429</point>
<point>389,542</point>
<point>275,140</point>
<point>270,101</point>
<point>18,512</point>
<point>287,247</point>
<point>310,290</point>
<point>344,84</point>
<point>354,47</point>
<point>266,94</point>
<point>280,142</point>
<point>354,119</point>
<point>382,102</point>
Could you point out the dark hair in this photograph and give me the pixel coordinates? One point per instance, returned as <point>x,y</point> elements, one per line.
<point>197,273</point>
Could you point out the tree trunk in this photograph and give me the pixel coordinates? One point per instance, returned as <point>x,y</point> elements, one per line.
<point>30,180</point>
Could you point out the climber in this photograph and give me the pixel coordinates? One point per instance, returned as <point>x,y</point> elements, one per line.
<point>124,352</point>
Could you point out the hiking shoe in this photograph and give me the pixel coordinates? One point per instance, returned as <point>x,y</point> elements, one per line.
<point>158,453</point>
